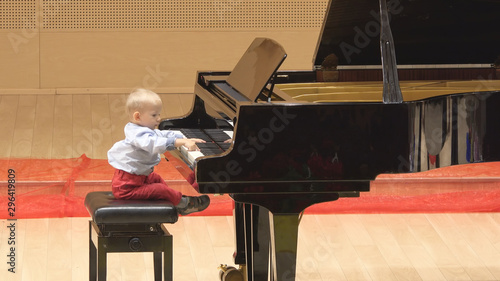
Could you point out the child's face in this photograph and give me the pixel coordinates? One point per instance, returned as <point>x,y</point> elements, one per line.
<point>149,116</point>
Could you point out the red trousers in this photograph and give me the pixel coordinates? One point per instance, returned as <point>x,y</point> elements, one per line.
<point>129,186</point>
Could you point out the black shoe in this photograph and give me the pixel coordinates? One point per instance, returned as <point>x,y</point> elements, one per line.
<point>194,204</point>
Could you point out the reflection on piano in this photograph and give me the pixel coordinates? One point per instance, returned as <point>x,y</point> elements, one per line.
<point>298,144</point>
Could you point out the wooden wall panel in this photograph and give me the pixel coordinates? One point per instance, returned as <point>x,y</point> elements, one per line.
<point>102,46</point>
<point>154,59</point>
<point>19,41</point>
<point>19,60</point>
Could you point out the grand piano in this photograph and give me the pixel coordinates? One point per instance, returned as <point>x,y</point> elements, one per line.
<point>416,88</point>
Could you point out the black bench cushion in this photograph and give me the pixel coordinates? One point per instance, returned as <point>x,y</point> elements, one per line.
<point>105,209</point>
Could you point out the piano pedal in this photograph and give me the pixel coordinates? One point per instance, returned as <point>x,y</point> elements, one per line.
<point>231,273</point>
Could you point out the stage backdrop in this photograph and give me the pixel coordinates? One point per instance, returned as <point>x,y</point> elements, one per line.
<point>111,46</point>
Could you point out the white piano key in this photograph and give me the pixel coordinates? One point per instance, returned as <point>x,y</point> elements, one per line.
<point>229,133</point>
<point>191,156</point>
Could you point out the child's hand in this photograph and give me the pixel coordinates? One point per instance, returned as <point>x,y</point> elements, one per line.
<point>190,144</point>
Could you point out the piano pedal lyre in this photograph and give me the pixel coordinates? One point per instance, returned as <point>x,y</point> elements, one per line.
<point>231,273</point>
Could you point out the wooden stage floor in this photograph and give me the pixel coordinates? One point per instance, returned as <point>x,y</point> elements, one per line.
<point>331,247</point>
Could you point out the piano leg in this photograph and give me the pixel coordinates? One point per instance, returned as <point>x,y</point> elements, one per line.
<point>249,241</point>
<point>284,238</point>
<point>269,238</point>
<point>239,224</point>
<point>252,224</point>
<point>280,230</point>
<point>261,237</point>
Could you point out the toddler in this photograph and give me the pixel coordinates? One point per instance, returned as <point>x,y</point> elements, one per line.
<point>135,157</point>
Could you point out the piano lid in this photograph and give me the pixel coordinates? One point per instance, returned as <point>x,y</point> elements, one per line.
<point>424,31</point>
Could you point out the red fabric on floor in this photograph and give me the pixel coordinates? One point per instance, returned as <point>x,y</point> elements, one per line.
<point>46,188</point>
<point>458,189</point>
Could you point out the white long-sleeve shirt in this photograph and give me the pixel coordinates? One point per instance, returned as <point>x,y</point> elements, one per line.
<point>140,151</point>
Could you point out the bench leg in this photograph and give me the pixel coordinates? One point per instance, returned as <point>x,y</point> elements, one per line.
<point>168,258</point>
<point>101,261</point>
<point>157,265</point>
<point>99,247</point>
<point>92,256</point>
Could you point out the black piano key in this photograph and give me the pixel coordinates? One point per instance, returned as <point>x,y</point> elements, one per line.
<point>224,146</point>
<point>223,124</point>
<point>209,148</point>
<point>208,145</point>
<point>217,135</point>
<point>214,140</point>
<point>195,133</point>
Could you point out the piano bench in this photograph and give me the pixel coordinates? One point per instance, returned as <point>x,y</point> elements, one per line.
<point>129,226</point>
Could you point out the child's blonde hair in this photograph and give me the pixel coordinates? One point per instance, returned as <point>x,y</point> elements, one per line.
<point>138,98</point>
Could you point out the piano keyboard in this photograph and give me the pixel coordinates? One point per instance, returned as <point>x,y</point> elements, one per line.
<point>214,142</point>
